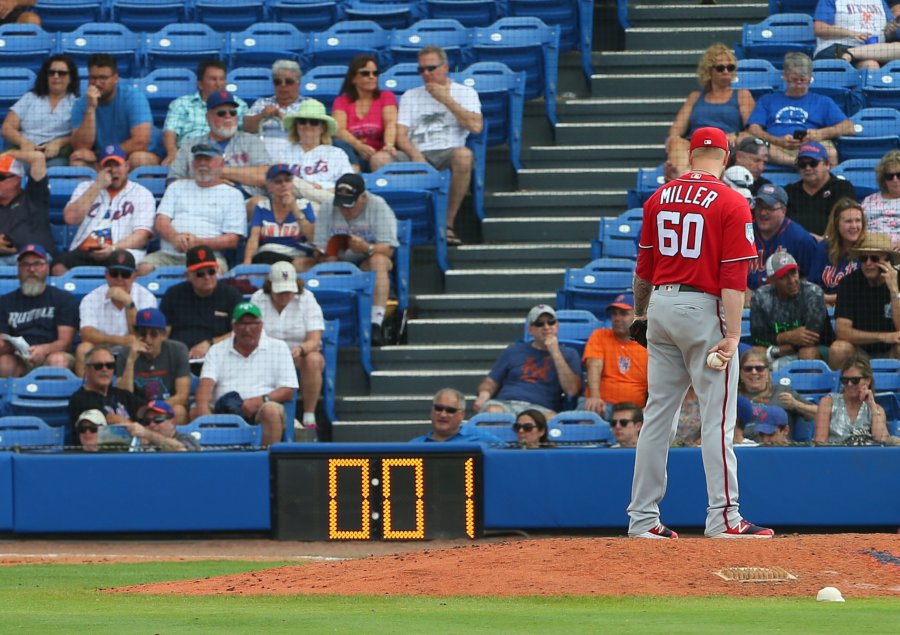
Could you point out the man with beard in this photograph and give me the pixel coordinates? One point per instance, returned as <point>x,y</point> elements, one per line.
<point>246,158</point>
<point>202,210</point>
<point>46,317</point>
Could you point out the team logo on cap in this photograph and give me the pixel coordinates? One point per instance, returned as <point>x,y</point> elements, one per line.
<point>110,149</point>
<point>201,253</point>
<point>285,275</point>
<point>146,315</point>
<point>120,258</point>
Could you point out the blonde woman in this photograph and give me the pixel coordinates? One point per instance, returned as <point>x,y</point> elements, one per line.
<point>883,207</point>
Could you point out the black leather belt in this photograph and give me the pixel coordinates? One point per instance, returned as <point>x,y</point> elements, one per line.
<point>683,288</point>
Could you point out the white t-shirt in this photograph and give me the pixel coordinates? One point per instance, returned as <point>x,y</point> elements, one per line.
<point>98,311</point>
<point>269,367</point>
<point>302,315</point>
<point>324,164</point>
<point>431,124</point>
<point>116,218</point>
<point>203,211</point>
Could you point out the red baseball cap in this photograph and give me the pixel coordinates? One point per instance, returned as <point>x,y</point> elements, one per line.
<point>709,138</point>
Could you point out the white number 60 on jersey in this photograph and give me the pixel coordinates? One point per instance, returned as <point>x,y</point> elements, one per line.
<point>679,234</point>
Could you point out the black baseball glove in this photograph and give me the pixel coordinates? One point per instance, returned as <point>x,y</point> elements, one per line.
<point>638,331</point>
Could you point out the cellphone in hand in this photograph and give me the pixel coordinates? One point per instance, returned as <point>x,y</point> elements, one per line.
<point>799,135</point>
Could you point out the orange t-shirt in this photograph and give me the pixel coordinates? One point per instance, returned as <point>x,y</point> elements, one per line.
<point>624,375</point>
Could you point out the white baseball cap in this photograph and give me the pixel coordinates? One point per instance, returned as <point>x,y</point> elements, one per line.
<point>283,277</point>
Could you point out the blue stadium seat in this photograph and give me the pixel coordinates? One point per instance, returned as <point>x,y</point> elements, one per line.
<point>66,15</point>
<point>496,424</point>
<point>323,83</point>
<point>344,40</point>
<point>779,177</point>
<point>222,431</point>
<point>881,88</point>
<point>183,46</point>
<point>402,258</point>
<point>250,82</point>
<point>399,78</point>
<point>812,378</point>
<point>416,192</point>
<point>25,45</point>
<point>477,143</point>
<point>388,14</point>
<point>30,432</point>
<point>758,76</point>
<point>617,239</point>
<point>229,15</point>
<point>330,346</point>
<point>648,181</point>
<point>14,82</point>
<point>886,375</point>
<point>161,279</point>
<point>860,172</point>
<point>777,35</point>
<point>103,37</point>
<point>148,15</point>
<point>63,235</point>
<point>877,133</point>
<point>345,293</point>
<point>79,281</point>
<point>469,13</point>
<point>501,92</point>
<point>745,327</point>
<point>452,36</point>
<point>63,181</point>
<point>306,15</point>
<point>595,285</point>
<point>264,43</point>
<point>633,214</point>
<point>164,85</point>
<point>579,426</point>
<point>575,19</point>
<point>840,81</point>
<point>255,274</point>
<point>44,393</point>
<point>524,44</point>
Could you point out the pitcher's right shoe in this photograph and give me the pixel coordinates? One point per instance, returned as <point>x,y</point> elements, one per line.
<point>745,530</point>
<point>660,532</point>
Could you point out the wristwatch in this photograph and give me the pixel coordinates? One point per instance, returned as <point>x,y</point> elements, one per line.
<point>266,399</point>
<point>371,249</point>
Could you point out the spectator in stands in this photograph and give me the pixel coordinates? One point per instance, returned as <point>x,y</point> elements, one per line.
<point>98,392</point>
<point>715,104</point>
<point>755,383</point>
<point>774,232</point>
<point>111,213</point>
<point>532,375</point>
<point>257,367</point>
<point>319,163</point>
<point>616,365</point>
<point>851,416</point>
<point>158,430</point>
<point>282,227</point>
<point>245,157</point>
<point>787,315</point>
<point>448,408</point>
<point>795,117</point>
<point>842,26</point>
<point>45,316</point>
<point>24,213</point>
<point>531,430</point>
<point>87,428</point>
<point>811,198</point>
<point>847,225</point>
<point>753,153</point>
<point>687,430</point>
<point>433,123</point>
<point>883,207</point>
<point>42,118</point>
<point>743,418</point>
<point>108,114</point>
<point>290,313</point>
<point>266,115</point>
<point>18,12</point>
<point>107,313</point>
<point>359,227</point>
<point>198,310</point>
<point>201,210</point>
<point>155,367</point>
<point>867,313</point>
<point>772,427</point>
<point>366,116</point>
<point>187,118</point>
<point>626,421</point>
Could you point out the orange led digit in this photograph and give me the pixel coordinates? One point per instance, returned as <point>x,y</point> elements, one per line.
<point>333,532</point>
<point>419,466</point>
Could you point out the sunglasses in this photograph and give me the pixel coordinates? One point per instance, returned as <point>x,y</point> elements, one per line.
<point>428,69</point>
<point>368,73</point>
<point>890,176</point>
<point>227,113</point>
<point>150,420</point>
<point>143,332</point>
<point>202,273</point>
<point>284,81</point>
<point>83,429</point>
<point>307,122</point>
<point>450,410</point>
<point>542,323</point>
<point>812,163</point>
<point>753,369</point>
<point>721,68</point>
<point>102,365</point>
<point>869,257</point>
<point>57,73</point>
<point>524,427</point>
<point>851,380</point>
<point>118,273</point>
<point>619,422</point>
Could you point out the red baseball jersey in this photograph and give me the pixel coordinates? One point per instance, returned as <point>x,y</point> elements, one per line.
<point>694,226</point>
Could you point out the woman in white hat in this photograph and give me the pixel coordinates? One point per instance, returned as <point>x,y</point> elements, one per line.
<point>310,130</point>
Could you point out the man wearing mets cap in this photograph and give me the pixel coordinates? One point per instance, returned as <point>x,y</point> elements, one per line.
<point>695,246</point>
<point>616,365</point>
<point>157,430</point>
<point>258,367</point>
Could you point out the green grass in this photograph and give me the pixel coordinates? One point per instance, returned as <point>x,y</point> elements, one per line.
<point>65,599</point>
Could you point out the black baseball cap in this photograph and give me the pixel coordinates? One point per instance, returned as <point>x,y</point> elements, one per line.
<point>121,259</point>
<point>348,189</point>
<point>200,256</point>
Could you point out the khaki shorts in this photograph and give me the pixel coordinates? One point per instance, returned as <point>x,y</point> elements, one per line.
<point>439,159</point>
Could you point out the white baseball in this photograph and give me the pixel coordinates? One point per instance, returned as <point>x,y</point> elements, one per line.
<point>714,361</point>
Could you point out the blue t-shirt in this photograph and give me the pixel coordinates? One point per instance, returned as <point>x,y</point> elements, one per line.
<point>459,437</point>
<point>526,373</point>
<point>129,108</point>
<point>827,275</point>
<point>781,115</point>
<point>791,238</point>
<point>36,318</point>
<point>287,233</point>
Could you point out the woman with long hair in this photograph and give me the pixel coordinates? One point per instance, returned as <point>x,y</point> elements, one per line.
<point>851,416</point>
<point>845,229</point>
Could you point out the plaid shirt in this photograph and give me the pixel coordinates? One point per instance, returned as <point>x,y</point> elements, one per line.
<point>187,116</point>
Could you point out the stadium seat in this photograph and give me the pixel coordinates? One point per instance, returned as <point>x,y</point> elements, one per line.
<point>633,214</point>
<point>477,143</point>
<point>524,44</point>
<point>877,133</point>
<point>757,76</point>
<point>44,393</point>
<point>330,346</point>
<point>881,88</point>
<point>745,328</point>
<point>256,274</point>
<point>812,378</point>
<point>223,431</point>
<point>9,281</point>
<point>416,192</point>
<point>323,83</point>
<point>161,279</point>
<point>63,235</point>
<point>79,281</point>
<point>452,36</point>
<point>402,257</point>
<point>579,426</point>
<point>25,45</point>
<point>164,85</point>
<point>399,78</point>
<point>14,82</point>
<point>344,40</point>
<point>63,181</point>
<point>67,15</point>
<point>886,375</point>
<point>306,15</point>
<point>103,37</point>
<point>469,13</point>
<point>250,82</point>
<point>153,177</point>
<point>595,285</point>
<point>388,14</point>
<point>648,181</point>
<point>148,15</point>
<point>860,172</point>
<point>229,15</point>
<point>840,81</point>
<point>616,239</point>
<point>264,43</point>
<point>575,19</point>
<point>777,35</point>
<point>183,46</point>
<point>501,92</point>
<point>30,432</point>
<point>496,424</point>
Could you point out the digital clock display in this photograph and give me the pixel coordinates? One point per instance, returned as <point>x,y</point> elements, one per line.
<point>377,496</point>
